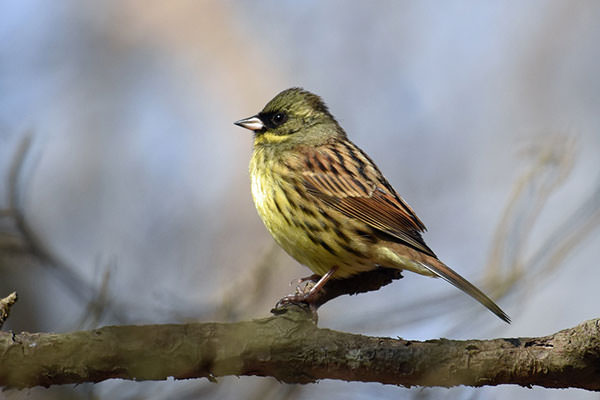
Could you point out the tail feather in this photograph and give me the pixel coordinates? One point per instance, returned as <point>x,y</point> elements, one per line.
<point>445,272</point>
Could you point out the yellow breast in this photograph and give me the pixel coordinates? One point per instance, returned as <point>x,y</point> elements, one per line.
<point>312,235</point>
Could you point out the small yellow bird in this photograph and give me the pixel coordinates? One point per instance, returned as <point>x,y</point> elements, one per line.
<point>325,202</point>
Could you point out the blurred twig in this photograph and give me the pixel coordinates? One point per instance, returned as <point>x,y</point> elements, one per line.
<point>249,289</point>
<point>552,164</point>
<point>97,306</point>
<point>26,241</point>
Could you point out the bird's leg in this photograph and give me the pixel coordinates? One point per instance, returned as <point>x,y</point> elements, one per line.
<point>308,296</point>
<point>307,281</point>
<point>313,278</point>
<point>319,285</point>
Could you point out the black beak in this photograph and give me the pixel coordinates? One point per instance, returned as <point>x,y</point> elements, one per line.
<point>253,123</point>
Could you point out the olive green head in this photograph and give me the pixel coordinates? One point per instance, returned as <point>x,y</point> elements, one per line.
<point>294,116</point>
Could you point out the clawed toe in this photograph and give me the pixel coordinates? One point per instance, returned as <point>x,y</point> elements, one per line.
<point>309,293</point>
<point>299,297</point>
<point>303,299</point>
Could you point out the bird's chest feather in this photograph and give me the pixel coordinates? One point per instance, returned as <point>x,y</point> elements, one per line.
<point>273,200</point>
<point>299,224</point>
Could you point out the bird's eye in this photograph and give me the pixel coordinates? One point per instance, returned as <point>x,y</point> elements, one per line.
<point>278,118</point>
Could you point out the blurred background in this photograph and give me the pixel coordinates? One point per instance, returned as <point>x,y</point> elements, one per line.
<point>125,197</point>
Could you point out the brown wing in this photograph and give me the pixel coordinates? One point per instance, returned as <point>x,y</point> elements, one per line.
<point>345,178</point>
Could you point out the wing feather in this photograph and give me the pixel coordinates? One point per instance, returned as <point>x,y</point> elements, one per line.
<point>362,192</point>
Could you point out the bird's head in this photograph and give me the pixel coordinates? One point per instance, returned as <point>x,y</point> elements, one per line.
<point>295,117</point>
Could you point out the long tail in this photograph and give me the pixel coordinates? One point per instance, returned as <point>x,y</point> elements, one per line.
<point>443,271</point>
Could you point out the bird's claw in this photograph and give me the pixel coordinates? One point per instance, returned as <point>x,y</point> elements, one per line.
<point>302,299</point>
<point>301,296</point>
<point>290,298</point>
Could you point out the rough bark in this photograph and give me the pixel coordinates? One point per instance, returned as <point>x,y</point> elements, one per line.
<point>292,349</point>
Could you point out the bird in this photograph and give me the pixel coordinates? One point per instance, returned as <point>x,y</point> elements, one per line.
<point>327,204</point>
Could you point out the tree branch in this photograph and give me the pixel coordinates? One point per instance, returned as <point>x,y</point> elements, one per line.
<point>292,349</point>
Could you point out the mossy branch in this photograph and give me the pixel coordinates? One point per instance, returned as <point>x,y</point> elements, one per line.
<point>292,349</point>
